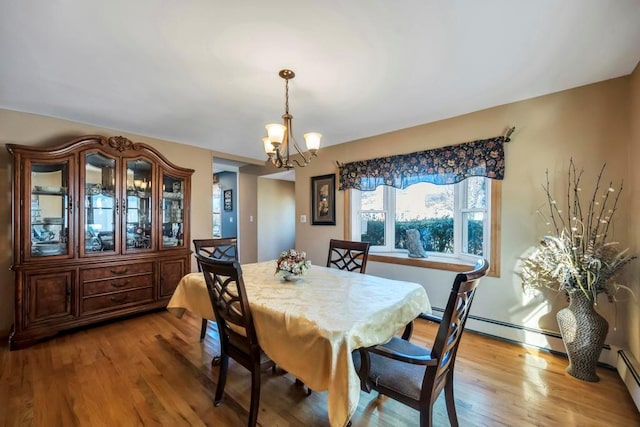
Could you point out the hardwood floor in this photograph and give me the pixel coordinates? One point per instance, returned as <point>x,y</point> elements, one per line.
<point>153,371</point>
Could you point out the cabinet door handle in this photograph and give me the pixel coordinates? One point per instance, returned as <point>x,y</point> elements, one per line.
<point>115,271</point>
<point>120,298</point>
<point>116,206</point>
<point>124,205</point>
<point>70,203</point>
<point>120,285</point>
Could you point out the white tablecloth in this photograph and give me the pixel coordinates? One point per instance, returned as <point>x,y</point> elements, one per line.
<point>310,327</point>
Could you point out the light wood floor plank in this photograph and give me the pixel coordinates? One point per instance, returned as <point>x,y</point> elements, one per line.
<point>153,371</point>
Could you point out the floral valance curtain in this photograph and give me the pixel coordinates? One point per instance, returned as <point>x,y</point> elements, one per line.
<point>446,165</point>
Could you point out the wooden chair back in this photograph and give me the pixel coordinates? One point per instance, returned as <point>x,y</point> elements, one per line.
<point>348,255</point>
<point>238,339</point>
<point>230,306</point>
<point>413,374</point>
<point>454,318</point>
<point>223,249</point>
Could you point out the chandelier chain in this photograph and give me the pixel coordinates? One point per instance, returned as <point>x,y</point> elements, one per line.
<point>286,97</point>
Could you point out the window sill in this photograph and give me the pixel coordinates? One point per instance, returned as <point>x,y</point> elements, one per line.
<point>432,261</point>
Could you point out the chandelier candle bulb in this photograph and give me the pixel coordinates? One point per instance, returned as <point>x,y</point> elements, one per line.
<point>276,133</point>
<point>268,146</point>
<point>313,141</point>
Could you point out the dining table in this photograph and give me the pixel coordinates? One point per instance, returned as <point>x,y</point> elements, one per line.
<point>310,327</point>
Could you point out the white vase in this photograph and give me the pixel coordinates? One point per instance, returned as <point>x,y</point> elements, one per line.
<point>290,277</point>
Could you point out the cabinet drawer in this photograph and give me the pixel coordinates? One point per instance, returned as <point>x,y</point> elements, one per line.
<point>115,271</point>
<point>116,299</point>
<point>116,284</point>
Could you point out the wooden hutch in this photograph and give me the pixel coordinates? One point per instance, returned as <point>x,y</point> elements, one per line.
<point>100,231</point>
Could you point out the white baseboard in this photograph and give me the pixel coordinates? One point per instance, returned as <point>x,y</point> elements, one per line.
<point>629,370</point>
<point>545,340</point>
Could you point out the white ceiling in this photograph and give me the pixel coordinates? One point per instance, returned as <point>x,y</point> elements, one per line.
<point>205,72</point>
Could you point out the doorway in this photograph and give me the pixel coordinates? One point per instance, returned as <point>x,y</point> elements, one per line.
<point>276,214</point>
<point>225,198</point>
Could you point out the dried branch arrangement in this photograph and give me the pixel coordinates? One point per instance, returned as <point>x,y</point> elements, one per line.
<point>577,254</point>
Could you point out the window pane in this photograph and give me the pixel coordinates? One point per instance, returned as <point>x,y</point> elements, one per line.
<point>428,208</point>
<point>372,228</point>
<point>473,226</point>
<point>372,200</point>
<point>476,192</point>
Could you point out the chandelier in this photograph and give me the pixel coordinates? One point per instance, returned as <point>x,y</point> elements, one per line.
<point>280,140</point>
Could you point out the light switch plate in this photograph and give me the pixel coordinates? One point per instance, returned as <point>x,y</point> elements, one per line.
<point>303,218</point>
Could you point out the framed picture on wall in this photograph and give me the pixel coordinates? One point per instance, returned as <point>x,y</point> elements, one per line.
<point>323,200</point>
<point>227,200</point>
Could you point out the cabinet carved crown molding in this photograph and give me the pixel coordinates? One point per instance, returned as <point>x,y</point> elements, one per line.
<point>120,143</point>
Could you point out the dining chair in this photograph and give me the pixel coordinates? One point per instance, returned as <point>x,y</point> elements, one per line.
<point>415,375</point>
<point>238,338</point>
<point>224,249</point>
<point>348,255</point>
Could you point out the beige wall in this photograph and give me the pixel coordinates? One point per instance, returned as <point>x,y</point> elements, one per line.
<point>276,217</point>
<point>248,209</point>
<point>588,123</point>
<point>633,306</point>
<point>247,217</point>
<point>29,129</point>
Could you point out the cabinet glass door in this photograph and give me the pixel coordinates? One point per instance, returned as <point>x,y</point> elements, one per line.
<point>49,210</point>
<point>137,208</point>
<point>172,211</point>
<point>99,215</point>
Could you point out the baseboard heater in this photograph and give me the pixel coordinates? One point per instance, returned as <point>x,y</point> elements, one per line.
<point>629,371</point>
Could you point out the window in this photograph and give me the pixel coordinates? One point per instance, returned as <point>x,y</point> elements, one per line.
<point>454,220</point>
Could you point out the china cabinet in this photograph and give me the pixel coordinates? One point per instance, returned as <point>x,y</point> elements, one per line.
<point>100,231</point>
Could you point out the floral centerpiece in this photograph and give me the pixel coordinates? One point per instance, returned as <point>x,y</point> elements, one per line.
<point>579,258</point>
<point>292,264</point>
